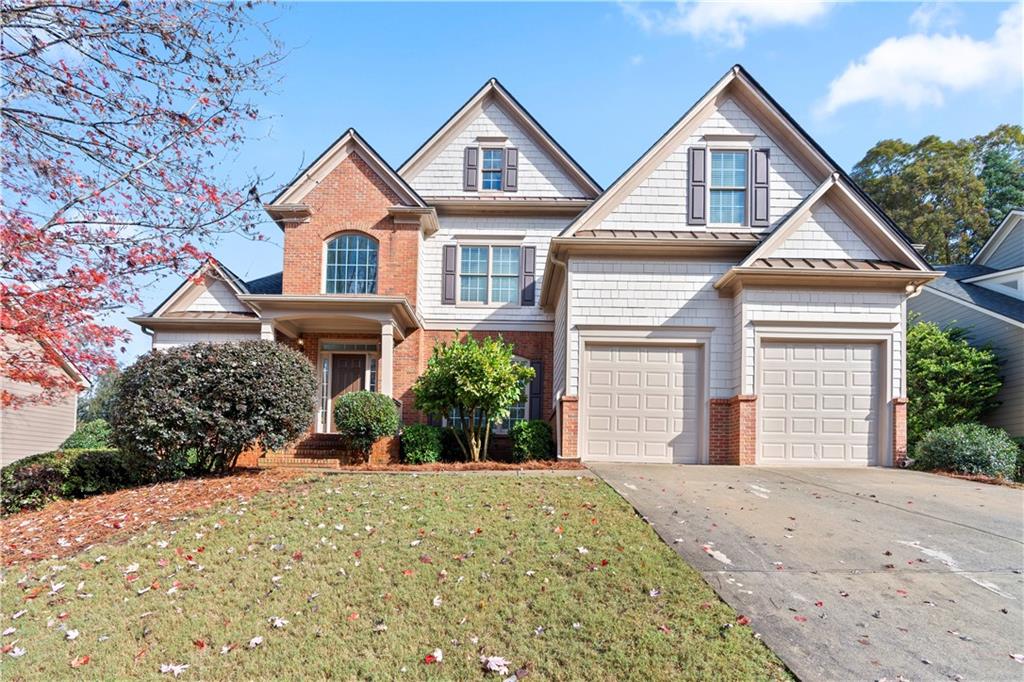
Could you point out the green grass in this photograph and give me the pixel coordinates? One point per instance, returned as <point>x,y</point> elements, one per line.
<point>515,588</point>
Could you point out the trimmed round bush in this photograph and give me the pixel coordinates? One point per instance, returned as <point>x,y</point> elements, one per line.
<point>215,400</point>
<point>532,440</point>
<point>968,449</point>
<point>421,444</point>
<point>364,417</point>
<point>91,434</point>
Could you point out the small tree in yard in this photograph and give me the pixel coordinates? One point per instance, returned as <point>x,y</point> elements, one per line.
<point>474,383</point>
<point>949,381</point>
<point>215,400</point>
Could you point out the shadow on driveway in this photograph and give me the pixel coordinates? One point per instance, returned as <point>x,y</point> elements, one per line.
<point>851,574</point>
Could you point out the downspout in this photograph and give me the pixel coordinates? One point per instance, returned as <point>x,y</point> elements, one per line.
<point>558,409</point>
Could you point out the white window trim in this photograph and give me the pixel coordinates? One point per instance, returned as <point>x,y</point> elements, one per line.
<point>325,247</point>
<point>729,146</point>
<point>517,303</point>
<point>480,180</point>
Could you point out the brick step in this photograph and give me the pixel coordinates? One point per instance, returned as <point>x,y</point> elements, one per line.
<point>318,452</point>
<point>300,462</point>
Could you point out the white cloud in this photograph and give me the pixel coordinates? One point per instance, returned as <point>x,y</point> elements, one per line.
<point>921,69</point>
<point>636,60</point>
<point>940,16</point>
<point>724,22</point>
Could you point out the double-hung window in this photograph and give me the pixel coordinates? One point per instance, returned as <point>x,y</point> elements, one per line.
<point>492,169</point>
<point>728,187</point>
<point>489,274</point>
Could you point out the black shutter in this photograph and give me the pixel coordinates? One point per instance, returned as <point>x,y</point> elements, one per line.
<point>537,391</point>
<point>470,166</point>
<point>759,189</point>
<point>697,182</point>
<point>511,183</point>
<point>528,275</point>
<point>448,276</point>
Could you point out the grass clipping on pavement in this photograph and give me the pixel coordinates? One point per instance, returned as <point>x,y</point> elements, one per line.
<point>383,577</point>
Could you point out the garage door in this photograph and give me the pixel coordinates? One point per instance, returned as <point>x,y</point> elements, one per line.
<point>641,404</point>
<point>819,403</point>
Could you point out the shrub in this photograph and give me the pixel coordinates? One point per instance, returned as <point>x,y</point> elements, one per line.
<point>1019,475</point>
<point>421,444</point>
<point>364,417</point>
<point>531,440</point>
<point>214,399</point>
<point>91,434</point>
<point>949,381</point>
<point>968,449</point>
<point>32,482</point>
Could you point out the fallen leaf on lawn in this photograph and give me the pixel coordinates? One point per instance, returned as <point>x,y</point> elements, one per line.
<point>296,555</point>
<point>558,529</point>
<point>495,664</point>
<point>173,668</point>
<point>664,628</point>
<point>141,653</point>
<point>255,642</point>
<point>743,620</point>
<point>1017,657</point>
<point>71,634</point>
<point>407,571</point>
<point>353,616</point>
<point>16,652</point>
<point>199,644</point>
<point>9,631</point>
<point>277,621</point>
<point>655,593</point>
<point>227,648</point>
<point>436,656</point>
<point>437,601</point>
<point>414,543</point>
<point>80,661</point>
<point>583,550</point>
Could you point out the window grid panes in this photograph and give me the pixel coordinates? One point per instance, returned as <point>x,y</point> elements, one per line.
<point>473,274</point>
<point>505,274</point>
<point>493,161</point>
<point>489,274</point>
<point>351,265</point>
<point>728,187</point>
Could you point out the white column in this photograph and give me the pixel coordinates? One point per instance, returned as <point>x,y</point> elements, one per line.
<point>387,349</point>
<point>267,330</point>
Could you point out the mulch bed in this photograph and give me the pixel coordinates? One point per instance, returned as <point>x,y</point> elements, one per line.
<point>66,527</point>
<point>546,465</point>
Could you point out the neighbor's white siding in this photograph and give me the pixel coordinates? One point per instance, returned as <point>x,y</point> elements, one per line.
<point>652,294</point>
<point>34,428</point>
<point>539,175</point>
<point>824,311</point>
<point>217,297</point>
<point>1010,253</point>
<point>824,234</point>
<point>1007,340</point>
<point>166,339</point>
<point>498,231</point>
<point>659,202</point>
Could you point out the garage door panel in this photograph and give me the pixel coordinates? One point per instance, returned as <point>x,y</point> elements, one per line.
<point>818,403</point>
<point>652,400</point>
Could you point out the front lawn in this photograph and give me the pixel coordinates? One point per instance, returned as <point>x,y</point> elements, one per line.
<point>365,576</point>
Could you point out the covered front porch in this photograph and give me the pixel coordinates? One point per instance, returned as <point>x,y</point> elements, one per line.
<point>349,339</point>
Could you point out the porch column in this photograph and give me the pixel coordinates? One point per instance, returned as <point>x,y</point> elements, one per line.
<point>387,351</point>
<point>267,330</point>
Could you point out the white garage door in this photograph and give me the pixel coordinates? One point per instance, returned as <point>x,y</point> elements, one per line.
<point>819,403</point>
<point>641,404</point>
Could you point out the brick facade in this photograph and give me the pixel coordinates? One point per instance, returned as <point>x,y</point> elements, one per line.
<point>570,427</point>
<point>899,432</point>
<point>733,430</point>
<point>352,198</point>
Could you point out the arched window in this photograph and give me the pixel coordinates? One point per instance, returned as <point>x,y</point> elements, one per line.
<point>351,265</point>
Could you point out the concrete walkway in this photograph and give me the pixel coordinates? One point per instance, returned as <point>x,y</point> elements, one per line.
<point>852,574</point>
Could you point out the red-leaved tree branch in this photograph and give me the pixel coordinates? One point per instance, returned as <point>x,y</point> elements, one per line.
<point>119,119</point>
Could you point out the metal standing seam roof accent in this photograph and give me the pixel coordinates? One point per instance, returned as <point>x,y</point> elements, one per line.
<point>671,235</point>
<point>830,265</point>
<point>504,198</point>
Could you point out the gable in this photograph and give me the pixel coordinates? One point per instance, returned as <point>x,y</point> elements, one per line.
<point>212,290</point>
<point>212,296</point>
<point>1005,248</point>
<point>493,118</point>
<point>659,200</point>
<point>824,234</point>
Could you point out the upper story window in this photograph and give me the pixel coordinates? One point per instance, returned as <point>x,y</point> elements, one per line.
<point>728,187</point>
<point>492,168</point>
<point>351,265</point>
<point>489,274</point>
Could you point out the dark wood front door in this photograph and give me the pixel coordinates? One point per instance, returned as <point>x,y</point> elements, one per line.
<point>347,372</point>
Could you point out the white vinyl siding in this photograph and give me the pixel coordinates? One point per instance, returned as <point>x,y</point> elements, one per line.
<point>34,428</point>
<point>1010,251</point>
<point>659,201</point>
<point>824,234</point>
<point>539,174</point>
<point>216,297</point>
<point>168,339</point>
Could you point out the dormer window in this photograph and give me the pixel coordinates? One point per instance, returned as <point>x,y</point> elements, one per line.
<point>492,169</point>
<point>351,265</point>
<point>729,187</point>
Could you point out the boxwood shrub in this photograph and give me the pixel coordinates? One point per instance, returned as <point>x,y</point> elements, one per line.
<point>968,449</point>
<point>364,417</point>
<point>91,434</point>
<point>421,444</point>
<point>531,440</point>
<point>214,400</point>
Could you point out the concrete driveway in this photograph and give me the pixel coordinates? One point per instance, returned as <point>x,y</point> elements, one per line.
<point>851,574</point>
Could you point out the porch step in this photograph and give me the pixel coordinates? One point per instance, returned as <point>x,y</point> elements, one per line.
<point>301,462</point>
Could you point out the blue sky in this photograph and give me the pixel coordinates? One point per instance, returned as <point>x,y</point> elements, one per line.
<point>606,80</point>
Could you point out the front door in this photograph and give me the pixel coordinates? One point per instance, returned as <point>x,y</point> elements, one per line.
<point>347,372</point>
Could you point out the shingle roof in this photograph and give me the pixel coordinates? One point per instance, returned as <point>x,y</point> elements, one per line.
<point>270,284</point>
<point>953,285</point>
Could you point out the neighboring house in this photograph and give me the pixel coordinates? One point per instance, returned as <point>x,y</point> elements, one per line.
<point>987,299</point>
<point>732,298</point>
<point>35,427</point>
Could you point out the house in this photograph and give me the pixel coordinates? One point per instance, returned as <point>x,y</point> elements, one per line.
<point>986,298</point>
<point>35,426</point>
<point>732,298</point>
